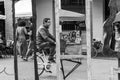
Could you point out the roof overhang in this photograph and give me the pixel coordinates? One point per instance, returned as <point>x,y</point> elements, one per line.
<point>66,15</point>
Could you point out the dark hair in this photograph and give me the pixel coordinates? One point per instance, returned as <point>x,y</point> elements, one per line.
<point>45,20</point>
<point>31,19</point>
<point>21,23</point>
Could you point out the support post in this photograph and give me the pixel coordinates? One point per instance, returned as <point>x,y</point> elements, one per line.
<point>57,7</point>
<point>88,36</point>
<point>14,31</point>
<point>34,33</point>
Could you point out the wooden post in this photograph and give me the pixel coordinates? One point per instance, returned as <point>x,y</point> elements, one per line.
<point>88,36</point>
<point>34,33</point>
<point>53,14</point>
<point>57,7</point>
<point>14,31</point>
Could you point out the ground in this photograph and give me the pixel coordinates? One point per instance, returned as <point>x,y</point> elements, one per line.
<point>100,67</point>
<point>26,70</point>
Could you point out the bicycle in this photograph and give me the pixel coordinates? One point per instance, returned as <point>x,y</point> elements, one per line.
<point>97,48</point>
<point>43,62</point>
<point>42,59</point>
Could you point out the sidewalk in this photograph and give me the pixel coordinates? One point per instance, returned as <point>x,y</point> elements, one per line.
<point>26,70</point>
<point>101,68</point>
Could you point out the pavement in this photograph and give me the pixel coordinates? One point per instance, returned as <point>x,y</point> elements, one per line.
<point>101,70</point>
<point>26,70</point>
<point>100,67</point>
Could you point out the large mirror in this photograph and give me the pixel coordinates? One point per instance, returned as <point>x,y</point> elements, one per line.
<point>24,40</point>
<point>73,53</point>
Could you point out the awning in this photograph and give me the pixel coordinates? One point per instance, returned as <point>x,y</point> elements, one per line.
<point>23,8</point>
<point>66,15</point>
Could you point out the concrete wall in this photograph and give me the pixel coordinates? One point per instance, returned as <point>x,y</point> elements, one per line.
<point>44,9</point>
<point>97,14</point>
<point>8,20</point>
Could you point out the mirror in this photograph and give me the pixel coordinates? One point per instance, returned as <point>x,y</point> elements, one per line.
<point>45,16</point>
<point>73,40</point>
<point>24,40</point>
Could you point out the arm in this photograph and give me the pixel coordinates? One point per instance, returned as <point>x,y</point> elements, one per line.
<point>16,34</point>
<point>45,36</point>
<point>52,37</point>
<point>25,30</point>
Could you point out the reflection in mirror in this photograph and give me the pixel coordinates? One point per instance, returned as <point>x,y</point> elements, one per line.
<point>73,40</point>
<point>105,44</point>
<point>46,43</point>
<point>24,37</point>
<point>6,41</point>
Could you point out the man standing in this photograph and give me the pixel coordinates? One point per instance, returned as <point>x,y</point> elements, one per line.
<point>45,39</point>
<point>108,28</point>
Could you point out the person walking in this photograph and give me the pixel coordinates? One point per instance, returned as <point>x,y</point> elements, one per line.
<point>21,33</point>
<point>31,42</point>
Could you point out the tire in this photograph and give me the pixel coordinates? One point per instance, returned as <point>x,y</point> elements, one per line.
<point>93,52</point>
<point>40,63</point>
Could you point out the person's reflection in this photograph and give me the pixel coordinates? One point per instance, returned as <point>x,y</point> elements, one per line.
<point>21,38</point>
<point>2,44</point>
<point>31,42</point>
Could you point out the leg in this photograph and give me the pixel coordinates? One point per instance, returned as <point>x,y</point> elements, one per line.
<point>24,48</point>
<point>52,52</point>
<point>30,49</point>
<point>51,46</point>
<point>18,47</point>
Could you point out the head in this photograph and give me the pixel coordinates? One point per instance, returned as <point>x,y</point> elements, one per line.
<point>117,26</point>
<point>30,21</point>
<point>46,22</point>
<point>22,23</point>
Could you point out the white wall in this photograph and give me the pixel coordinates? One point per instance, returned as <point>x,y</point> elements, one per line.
<point>98,19</point>
<point>9,19</point>
<point>44,9</point>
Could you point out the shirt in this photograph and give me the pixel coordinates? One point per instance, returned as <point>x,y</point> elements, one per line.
<point>43,35</point>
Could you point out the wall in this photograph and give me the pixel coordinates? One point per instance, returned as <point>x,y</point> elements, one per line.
<point>9,20</point>
<point>97,15</point>
<point>44,9</point>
